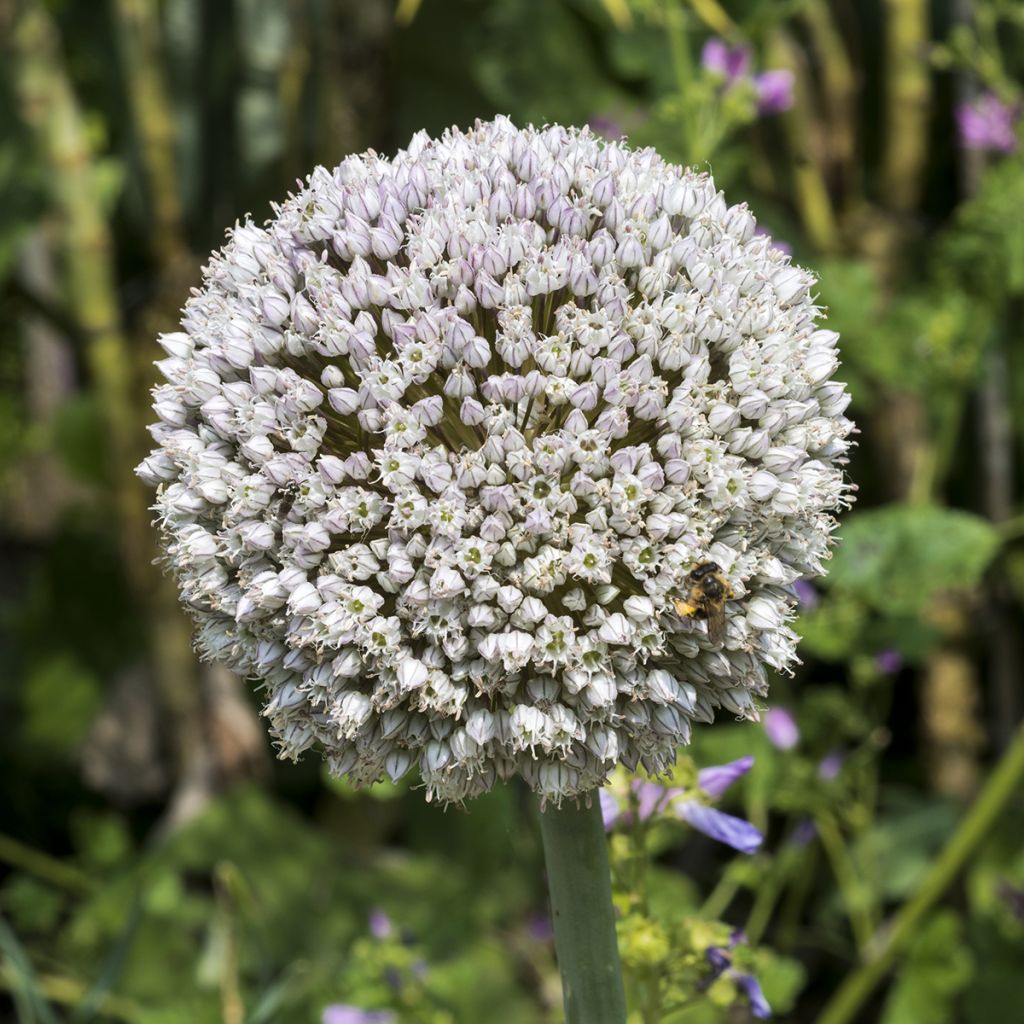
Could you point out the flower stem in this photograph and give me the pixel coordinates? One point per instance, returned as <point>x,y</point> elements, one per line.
<point>576,854</point>
<point>1002,785</point>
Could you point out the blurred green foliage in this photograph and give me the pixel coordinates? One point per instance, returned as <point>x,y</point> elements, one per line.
<point>254,903</point>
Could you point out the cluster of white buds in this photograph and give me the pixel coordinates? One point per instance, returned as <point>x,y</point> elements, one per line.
<point>440,444</point>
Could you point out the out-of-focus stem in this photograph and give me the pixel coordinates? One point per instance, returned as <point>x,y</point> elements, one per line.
<point>1002,785</point>
<point>995,428</point>
<point>576,855</point>
<point>810,186</point>
<point>682,67</point>
<point>850,886</point>
<point>57,872</point>
<point>839,88</point>
<point>908,93</point>
<point>50,110</point>
<point>69,992</point>
<point>153,118</point>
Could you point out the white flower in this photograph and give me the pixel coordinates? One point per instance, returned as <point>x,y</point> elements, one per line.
<point>439,445</point>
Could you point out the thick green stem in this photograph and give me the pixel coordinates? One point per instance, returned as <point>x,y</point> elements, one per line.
<point>576,854</point>
<point>1002,785</point>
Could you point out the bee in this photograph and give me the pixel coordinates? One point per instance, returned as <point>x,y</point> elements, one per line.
<point>289,493</point>
<point>706,594</point>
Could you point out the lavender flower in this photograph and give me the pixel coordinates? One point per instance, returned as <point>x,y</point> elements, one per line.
<point>380,924</point>
<point>804,832</point>
<point>781,729</point>
<point>889,661</point>
<point>343,1014</point>
<point>988,123</point>
<point>720,959</point>
<point>439,445</point>
<point>773,89</point>
<point>648,799</point>
<point>540,928</point>
<point>807,597</point>
<point>830,766</point>
<point>732,63</point>
<point>605,125</point>
<point>714,781</point>
<point>722,827</point>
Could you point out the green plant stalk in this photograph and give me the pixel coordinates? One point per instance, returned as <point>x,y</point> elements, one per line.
<point>846,875</point>
<point>51,112</point>
<point>908,97</point>
<point>682,67</point>
<point>1002,785</point>
<point>576,855</point>
<point>810,188</point>
<point>22,857</point>
<point>838,89</point>
<point>153,123</point>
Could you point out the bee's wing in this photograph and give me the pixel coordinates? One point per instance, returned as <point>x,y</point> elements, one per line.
<point>716,623</point>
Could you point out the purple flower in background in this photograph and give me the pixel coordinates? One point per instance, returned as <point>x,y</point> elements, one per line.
<point>773,88</point>
<point>343,1014</point>
<point>731,62</point>
<point>806,594</point>
<point>751,987</point>
<point>380,924</point>
<point>725,828</point>
<point>719,777</point>
<point>804,832</point>
<point>720,959</point>
<point>651,798</point>
<point>988,123</point>
<point>539,928</point>
<point>830,766</point>
<point>714,781</point>
<point>774,91</point>
<point>781,729</point>
<point>889,662</point>
<point>606,126</point>
<point>611,813</point>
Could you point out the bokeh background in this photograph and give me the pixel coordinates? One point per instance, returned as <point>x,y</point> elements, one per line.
<point>157,864</point>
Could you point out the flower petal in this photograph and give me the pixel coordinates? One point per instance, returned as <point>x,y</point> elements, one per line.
<point>751,987</point>
<point>718,778</point>
<point>610,811</point>
<point>734,832</point>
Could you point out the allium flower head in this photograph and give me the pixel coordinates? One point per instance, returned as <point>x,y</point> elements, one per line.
<point>441,442</point>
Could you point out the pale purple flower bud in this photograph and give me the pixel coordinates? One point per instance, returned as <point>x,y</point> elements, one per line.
<point>729,62</point>
<point>781,729</point>
<point>988,123</point>
<point>774,90</point>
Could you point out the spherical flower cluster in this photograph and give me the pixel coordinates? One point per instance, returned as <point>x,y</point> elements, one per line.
<point>440,444</point>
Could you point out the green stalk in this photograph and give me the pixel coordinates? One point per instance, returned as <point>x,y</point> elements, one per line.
<point>908,97</point>
<point>1002,785</point>
<point>576,854</point>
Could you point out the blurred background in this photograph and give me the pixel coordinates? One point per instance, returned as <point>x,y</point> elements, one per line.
<point>157,864</point>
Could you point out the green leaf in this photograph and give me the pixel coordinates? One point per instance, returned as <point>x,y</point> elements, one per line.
<point>32,1006</point>
<point>79,439</point>
<point>111,969</point>
<point>938,967</point>
<point>59,702</point>
<point>898,558</point>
